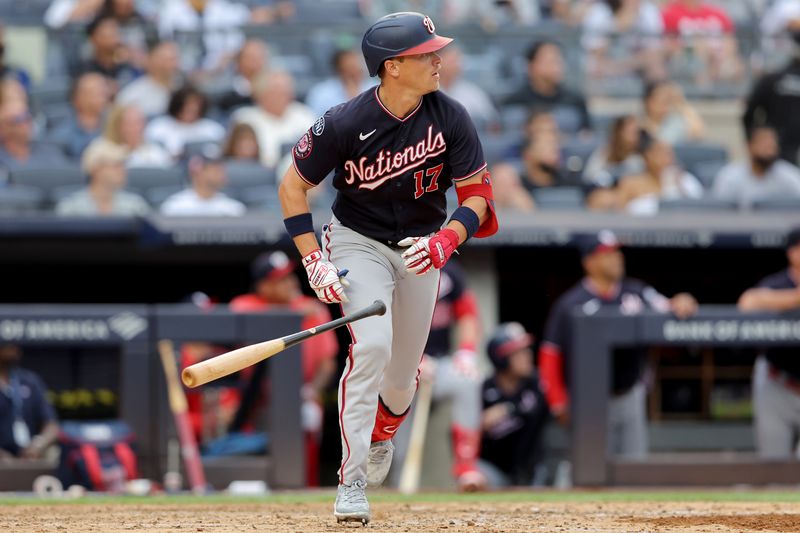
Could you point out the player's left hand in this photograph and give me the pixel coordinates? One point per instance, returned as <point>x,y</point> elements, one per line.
<point>425,253</point>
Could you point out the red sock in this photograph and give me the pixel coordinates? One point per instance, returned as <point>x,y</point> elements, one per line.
<point>466,446</point>
<point>386,422</point>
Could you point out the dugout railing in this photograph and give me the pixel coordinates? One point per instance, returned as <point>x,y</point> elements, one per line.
<point>595,336</point>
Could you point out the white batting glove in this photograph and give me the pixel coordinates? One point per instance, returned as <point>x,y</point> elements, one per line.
<point>326,280</point>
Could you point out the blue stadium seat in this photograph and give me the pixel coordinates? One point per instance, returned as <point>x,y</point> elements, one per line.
<point>778,204</point>
<point>697,205</point>
<point>706,171</point>
<point>49,179</point>
<point>142,180</point>
<point>574,154</point>
<point>693,154</point>
<point>514,117</point>
<point>20,199</point>
<point>249,174</point>
<point>497,148</point>
<point>559,198</point>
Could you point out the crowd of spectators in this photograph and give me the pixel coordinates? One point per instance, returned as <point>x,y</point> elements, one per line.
<point>139,87</point>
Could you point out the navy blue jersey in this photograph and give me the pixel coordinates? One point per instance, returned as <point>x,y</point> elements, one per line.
<point>514,445</point>
<point>391,173</point>
<point>782,358</point>
<point>631,297</point>
<point>452,287</point>
<point>24,397</point>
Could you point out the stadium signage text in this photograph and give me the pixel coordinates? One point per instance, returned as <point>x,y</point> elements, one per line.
<point>125,325</point>
<point>732,330</point>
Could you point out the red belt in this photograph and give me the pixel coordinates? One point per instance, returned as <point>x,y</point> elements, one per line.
<point>791,383</point>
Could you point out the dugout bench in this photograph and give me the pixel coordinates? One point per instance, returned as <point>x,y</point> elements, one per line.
<point>595,337</point>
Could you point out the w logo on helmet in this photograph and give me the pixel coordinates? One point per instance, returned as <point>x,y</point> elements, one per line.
<point>429,24</point>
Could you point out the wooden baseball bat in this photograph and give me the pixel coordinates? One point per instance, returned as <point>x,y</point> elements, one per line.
<point>412,466</point>
<point>235,360</point>
<point>179,408</point>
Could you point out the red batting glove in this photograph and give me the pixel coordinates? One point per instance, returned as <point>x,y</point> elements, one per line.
<point>425,253</point>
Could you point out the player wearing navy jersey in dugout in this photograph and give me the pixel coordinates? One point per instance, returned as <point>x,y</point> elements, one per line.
<point>455,374</point>
<point>776,376</point>
<point>605,285</point>
<point>394,150</point>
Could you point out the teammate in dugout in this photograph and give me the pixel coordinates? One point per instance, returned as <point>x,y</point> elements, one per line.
<point>455,374</point>
<point>395,150</point>
<point>605,285</point>
<point>776,376</point>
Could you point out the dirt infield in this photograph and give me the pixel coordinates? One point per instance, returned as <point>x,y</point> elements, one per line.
<point>394,516</point>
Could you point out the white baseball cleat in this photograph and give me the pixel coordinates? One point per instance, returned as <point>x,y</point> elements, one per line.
<point>351,503</point>
<point>379,462</point>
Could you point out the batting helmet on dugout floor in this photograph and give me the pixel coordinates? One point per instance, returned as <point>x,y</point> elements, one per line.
<point>400,34</point>
<point>508,338</point>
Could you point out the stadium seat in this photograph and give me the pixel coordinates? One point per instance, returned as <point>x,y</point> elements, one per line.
<point>574,154</point>
<point>697,204</point>
<point>561,198</point>
<point>247,174</point>
<point>514,117</point>
<point>778,204</point>
<point>497,148</point>
<point>691,154</point>
<point>48,179</point>
<point>140,180</point>
<point>706,171</point>
<point>20,199</point>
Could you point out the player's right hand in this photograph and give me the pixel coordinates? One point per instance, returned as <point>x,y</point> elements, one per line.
<point>324,278</point>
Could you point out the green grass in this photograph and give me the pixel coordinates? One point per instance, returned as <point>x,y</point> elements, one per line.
<point>588,496</point>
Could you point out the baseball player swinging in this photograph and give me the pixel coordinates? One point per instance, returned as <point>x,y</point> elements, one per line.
<point>394,150</point>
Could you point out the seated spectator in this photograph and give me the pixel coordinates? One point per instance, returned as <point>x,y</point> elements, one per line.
<point>349,81</point>
<point>125,128</point>
<point>509,193</point>
<point>8,71</point>
<point>668,116</point>
<point>624,37</point>
<point>251,60</point>
<point>275,286</point>
<point>18,150</point>
<point>515,411</point>
<point>544,89</point>
<point>184,123</point>
<point>203,197</point>
<point>776,372</point>
<point>151,92</point>
<point>540,166</point>
<point>763,175</point>
<point>277,118</point>
<point>28,424</point>
<point>662,180</point>
<point>702,30</point>
<point>89,96</point>
<point>620,157</point>
<point>220,22</point>
<point>132,28</point>
<point>539,122</point>
<point>63,12</point>
<point>104,195</point>
<point>473,98</point>
<point>241,145</point>
<point>109,56</point>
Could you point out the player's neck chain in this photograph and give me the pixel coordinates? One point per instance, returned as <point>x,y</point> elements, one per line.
<point>389,164</point>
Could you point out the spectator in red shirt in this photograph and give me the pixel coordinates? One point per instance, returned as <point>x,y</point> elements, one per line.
<point>700,29</point>
<point>276,285</point>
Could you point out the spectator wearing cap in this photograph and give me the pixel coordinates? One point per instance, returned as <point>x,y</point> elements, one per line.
<point>90,98</point>
<point>184,123</point>
<point>151,92</point>
<point>776,376</point>
<point>105,166</point>
<point>762,176</point>
<point>605,285</point>
<point>28,424</point>
<point>203,197</point>
<point>544,89</point>
<point>18,150</point>
<point>514,411</point>
<point>276,286</point>
<point>277,118</point>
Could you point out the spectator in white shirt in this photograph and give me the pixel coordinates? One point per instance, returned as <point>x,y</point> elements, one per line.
<point>277,118</point>
<point>762,176</point>
<point>348,82</point>
<point>151,92</point>
<point>451,82</point>
<point>203,197</point>
<point>184,123</point>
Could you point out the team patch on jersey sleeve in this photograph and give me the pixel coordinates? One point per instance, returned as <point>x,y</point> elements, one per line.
<point>303,147</point>
<point>319,126</point>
